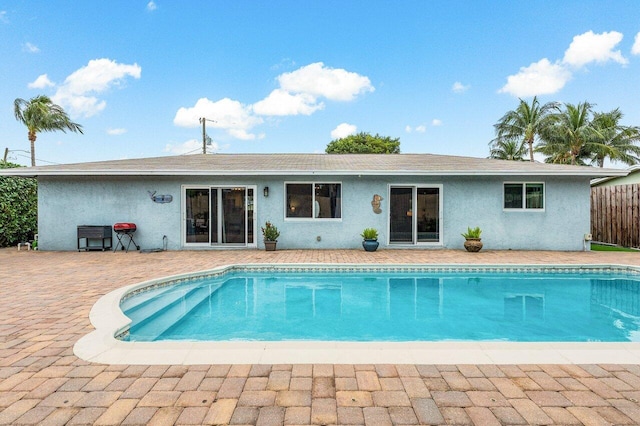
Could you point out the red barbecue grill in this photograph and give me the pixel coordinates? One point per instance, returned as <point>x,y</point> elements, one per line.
<point>125,231</point>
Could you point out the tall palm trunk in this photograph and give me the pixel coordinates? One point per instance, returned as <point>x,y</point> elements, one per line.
<point>530,142</point>
<point>32,139</point>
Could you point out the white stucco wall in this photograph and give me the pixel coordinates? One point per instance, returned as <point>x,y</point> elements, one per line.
<point>65,203</point>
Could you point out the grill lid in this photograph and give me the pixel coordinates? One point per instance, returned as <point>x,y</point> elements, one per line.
<point>124,226</point>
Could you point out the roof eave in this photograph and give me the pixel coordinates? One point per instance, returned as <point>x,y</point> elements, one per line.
<point>586,173</point>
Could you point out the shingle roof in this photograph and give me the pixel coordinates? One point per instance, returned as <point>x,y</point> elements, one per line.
<point>308,164</point>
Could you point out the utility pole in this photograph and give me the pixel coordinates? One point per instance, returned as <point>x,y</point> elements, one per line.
<point>6,153</point>
<point>203,120</point>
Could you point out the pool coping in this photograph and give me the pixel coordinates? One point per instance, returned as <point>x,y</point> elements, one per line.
<point>101,345</point>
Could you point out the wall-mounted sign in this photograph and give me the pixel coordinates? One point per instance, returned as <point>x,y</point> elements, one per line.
<point>160,198</point>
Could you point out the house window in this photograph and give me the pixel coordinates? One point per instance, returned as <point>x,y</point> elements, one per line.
<point>524,196</point>
<point>313,200</point>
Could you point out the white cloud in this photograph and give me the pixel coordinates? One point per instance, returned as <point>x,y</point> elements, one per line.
<point>343,130</point>
<point>544,77</point>
<point>332,83</point>
<point>116,132</point>
<point>539,78</point>
<point>459,87</point>
<point>30,47</point>
<point>299,94</point>
<point>590,47</point>
<point>419,129</point>
<point>229,115</point>
<point>151,6</point>
<point>635,50</point>
<point>436,122</point>
<point>244,135</point>
<point>280,102</point>
<point>192,146</point>
<point>3,17</point>
<point>41,82</point>
<point>96,77</point>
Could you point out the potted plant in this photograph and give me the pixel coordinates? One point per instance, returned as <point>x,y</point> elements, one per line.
<point>370,239</point>
<point>472,239</point>
<point>270,234</point>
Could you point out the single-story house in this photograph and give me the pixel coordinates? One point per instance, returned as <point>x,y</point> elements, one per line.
<point>633,177</point>
<point>318,200</point>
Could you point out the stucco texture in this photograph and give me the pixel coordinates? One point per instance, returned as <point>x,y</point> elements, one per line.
<point>66,202</point>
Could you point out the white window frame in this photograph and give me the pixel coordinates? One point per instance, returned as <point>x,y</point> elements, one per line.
<point>183,216</point>
<point>524,207</point>
<point>313,199</point>
<point>414,189</point>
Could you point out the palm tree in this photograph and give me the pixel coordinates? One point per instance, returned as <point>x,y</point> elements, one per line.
<point>570,138</point>
<point>507,150</point>
<point>614,141</point>
<point>40,114</point>
<point>525,123</point>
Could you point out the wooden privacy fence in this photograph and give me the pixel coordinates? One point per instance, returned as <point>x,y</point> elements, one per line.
<point>615,214</point>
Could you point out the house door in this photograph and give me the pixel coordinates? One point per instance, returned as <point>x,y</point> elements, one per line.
<point>415,214</point>
<point>219,216</point>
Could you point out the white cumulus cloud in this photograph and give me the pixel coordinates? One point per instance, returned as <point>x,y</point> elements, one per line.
<point>300,93</point>
<point>539,78</point>
<point>590,47</point>
<point>192,146</point>
<point>227,114</point>
<point>116,132</point>
<point>343,130</point>
<point>635,49</point>
<point>78,90</point>
<point>319,80</point>
<point>151,6</point>
<point>41,82</point>
<point>544,77</point>
<point>30,47</point>
<point>459,87</point>
<point>436,122</point>
<point>281,102</point>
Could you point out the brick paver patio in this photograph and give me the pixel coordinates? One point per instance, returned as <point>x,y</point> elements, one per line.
<point>45,298</point>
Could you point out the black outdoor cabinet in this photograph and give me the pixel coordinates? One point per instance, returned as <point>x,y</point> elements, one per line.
<point>94,237</point>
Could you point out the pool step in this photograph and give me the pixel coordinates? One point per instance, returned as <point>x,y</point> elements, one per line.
<point>141,306</point>
<point>183,316</point>
<point>153,325</point>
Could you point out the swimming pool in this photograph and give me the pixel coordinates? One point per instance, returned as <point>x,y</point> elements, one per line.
<point>390,304</point>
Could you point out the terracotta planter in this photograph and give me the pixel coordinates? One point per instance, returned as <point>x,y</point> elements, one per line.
<point>370,245</point>
<point>473,244</point>
<point>270,245</point>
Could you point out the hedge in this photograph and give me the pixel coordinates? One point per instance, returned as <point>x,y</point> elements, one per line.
<point>18,208</point>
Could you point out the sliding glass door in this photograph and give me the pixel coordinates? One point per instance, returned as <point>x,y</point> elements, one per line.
<point>219,216</point>
<point>415,214</point>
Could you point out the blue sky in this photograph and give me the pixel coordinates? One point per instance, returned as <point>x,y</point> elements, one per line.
<point>289,76</point>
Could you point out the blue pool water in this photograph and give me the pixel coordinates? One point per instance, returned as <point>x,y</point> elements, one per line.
<point>357,306</point>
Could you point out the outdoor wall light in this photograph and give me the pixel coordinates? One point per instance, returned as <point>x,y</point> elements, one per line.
<point>265,191</point>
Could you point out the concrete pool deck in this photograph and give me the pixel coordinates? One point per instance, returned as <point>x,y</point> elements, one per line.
<point>46,298</point>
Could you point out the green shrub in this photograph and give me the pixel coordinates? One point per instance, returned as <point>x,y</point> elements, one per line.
<point>18,208</point>
<point>472,233</point>
<point>370,234</point>
<point>270,232</point>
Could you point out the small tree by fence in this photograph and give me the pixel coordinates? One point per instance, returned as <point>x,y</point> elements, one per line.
<point>615,214</point>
